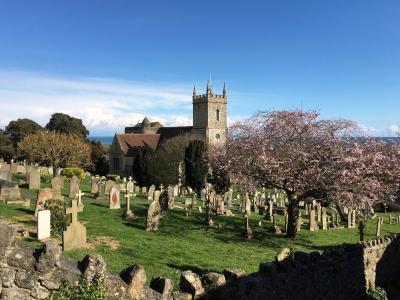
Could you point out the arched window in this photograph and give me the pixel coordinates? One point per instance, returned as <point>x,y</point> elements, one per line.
<point>217,114</point>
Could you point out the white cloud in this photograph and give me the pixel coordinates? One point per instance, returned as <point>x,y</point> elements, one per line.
<point>369,130</point>
<point>394,129</point>
<point>104,104</point>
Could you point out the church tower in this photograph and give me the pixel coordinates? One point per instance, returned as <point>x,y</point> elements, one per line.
<point>210,116</point>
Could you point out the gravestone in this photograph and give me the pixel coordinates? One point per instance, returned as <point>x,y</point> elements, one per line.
<point>311,215</point>
<point>319,215</point>
<point>229,199</point>
<point>114,197</point>
<point>188,206</point>
<point>220,207</point>
<point>130,187</point>
<point>43,224</point>
<point>79,196</point>
<point>176,190</point>
<point>6,175</point>
<point>95,185</point>
<point>128,213</point>
<point>324,219</point>
<point>109,185</point>
<point>43,195</point>
<point>156,195</point>
<point>9,191</point>
<point>34,180</point>
<point>164,202</point>
<point>13,168</point>
<point>171,198</point>
<point>21,169</point>
<point>378,227</point>
<point>150,195</point>
<point>153,216</point>
<point>144,190</point>
<point>56,186</point>
<point>74,186</point>
<point>75,235</point>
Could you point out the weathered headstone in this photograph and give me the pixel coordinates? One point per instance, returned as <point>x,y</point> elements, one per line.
<point>114,197</point>
<point>130,187</point>
<point>150,195</point>
<point>43,195</point>
<point>171,198</point>
<point>9,191</point>
<point>56,186</point>
<point>75,235</point>
<point>156,195</point>
<point>312,225</point>
<point>43,224</point>
<point>153,216</point>
<point>34,180</point>
<point>324,219</point>
<point>108,186</point>
<point>95,185</point>
<point>188,206</point>
<point>74,186</point>
<point>13,168</point>
<point>6,175</point>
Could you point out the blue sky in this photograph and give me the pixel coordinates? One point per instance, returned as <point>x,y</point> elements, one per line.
<point>112,62</point>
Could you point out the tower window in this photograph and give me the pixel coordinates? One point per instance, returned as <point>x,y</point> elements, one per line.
<point>217,114</point>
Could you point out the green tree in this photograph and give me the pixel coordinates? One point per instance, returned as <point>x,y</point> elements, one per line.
<point>141,170</point>
<point>98,154</point>
<point>20,128</point>
<point>164,166</point>
<point>64,123</point>
<point>6,147</point>
<point>196,165</point>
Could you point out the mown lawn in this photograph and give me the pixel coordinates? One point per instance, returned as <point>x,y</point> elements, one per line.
<point>182,242</point>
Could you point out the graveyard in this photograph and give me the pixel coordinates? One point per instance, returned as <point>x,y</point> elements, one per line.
<point>181,242</point>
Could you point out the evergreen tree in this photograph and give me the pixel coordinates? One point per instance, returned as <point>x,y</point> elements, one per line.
<point>18,129</point>
<point>196,165</point>
<point>64,123</point>
<point>141,164</point>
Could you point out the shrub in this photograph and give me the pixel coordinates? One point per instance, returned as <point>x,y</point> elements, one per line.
<point>112,177</point>
<point>377,293</point>
<point>58,218</point>
<point>84,290</point>
<point>69,172</point>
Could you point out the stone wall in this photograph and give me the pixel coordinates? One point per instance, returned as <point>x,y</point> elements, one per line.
<point>343,272</point>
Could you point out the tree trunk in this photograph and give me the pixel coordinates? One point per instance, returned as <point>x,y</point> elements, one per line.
<point>293,213</point>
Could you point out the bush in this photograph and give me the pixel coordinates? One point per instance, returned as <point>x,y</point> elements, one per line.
<point>112,177</point>
<point>377,293</point>
<point>58,218</point>
<point>69,172</point>
<point>84,290</point>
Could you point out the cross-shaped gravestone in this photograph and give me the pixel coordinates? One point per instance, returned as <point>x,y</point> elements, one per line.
<point>74,210</point>
<point>75,235</point>
<point>128,214</point>
<point>79,195</point>
<point>130,178</point>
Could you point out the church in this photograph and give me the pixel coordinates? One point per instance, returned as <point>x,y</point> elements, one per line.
<point>209,125</point>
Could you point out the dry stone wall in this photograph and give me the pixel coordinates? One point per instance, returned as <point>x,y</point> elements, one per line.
<point>343,272</point>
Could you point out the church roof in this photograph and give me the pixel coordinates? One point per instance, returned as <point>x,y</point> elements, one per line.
<point>132,140</point>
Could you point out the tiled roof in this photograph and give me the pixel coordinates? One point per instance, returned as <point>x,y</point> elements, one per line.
<point>129,141</point>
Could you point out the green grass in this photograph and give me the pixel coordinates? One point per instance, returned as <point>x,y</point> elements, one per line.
<point>182,242</point>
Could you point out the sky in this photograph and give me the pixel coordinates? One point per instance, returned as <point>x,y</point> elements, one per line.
<point>111,63</point>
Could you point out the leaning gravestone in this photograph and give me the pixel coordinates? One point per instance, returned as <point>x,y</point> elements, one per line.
<point>43,224</point>
<point>153,216</point>
<point>156,196</point>
<point>171,199</point>
<point>114,197</point>
<point>74,186</point>
<point>34,180</point>
<point>109,185</point>
<point>75,235</point>
<point>94,185</point>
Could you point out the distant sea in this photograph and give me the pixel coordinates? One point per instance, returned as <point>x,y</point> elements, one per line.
<point>106,140</point>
